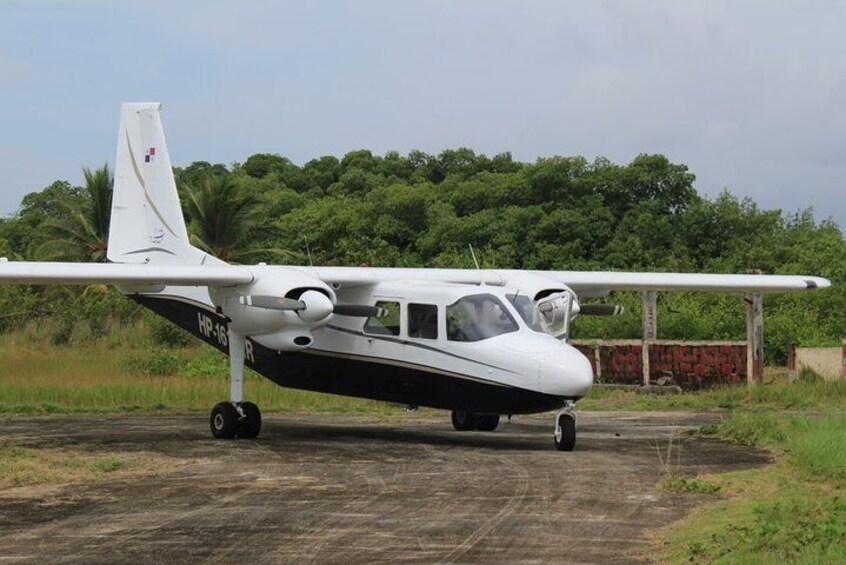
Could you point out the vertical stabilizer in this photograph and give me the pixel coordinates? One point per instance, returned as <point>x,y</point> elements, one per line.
<point>146,221</point>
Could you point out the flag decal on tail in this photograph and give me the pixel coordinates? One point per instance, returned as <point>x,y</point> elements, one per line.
<point>150,155</point>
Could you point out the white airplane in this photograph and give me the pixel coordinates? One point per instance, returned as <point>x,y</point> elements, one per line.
<point>480,343</point>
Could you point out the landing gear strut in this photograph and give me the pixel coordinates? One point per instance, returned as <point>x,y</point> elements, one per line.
<point>236,417</point>
<point>565,428</point>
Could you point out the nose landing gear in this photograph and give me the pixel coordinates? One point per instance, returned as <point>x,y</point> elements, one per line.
<point>565,428</point>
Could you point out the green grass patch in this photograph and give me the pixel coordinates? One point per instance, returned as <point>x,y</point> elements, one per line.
<point>778,395</point>
<point>774,516</point>
<point>20,466</point>
<point>107,465</point>
<point>102,380</point>
<point>793,511</point>
<point>690,484</point>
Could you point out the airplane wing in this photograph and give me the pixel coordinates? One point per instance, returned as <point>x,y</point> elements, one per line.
<point>587,282</point>
<point>27,272</point>
<point>599,281</point>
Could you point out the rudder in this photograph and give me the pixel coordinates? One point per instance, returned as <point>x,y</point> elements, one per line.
<point>146,219</point>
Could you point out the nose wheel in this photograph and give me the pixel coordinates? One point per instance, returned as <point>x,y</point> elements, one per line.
<point>565,429</point>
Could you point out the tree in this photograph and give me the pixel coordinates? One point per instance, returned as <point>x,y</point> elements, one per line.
<point>80,230</point>
<point>225,221</point>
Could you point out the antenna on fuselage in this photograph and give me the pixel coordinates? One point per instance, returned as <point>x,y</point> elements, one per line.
<point>478,268</point>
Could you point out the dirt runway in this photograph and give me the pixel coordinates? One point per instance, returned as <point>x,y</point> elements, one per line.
<point>332,489</point>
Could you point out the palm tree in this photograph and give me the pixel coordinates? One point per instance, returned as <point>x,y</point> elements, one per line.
<point>82,232</point>
<point>226,222</point>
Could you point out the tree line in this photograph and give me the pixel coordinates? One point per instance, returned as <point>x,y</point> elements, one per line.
<point>422,210</point>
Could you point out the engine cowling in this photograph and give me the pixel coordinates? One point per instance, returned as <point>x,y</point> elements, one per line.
<point>316,300</point>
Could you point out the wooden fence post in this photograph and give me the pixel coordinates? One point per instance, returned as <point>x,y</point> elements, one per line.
<point>649,307</point>
<point>754,338</point>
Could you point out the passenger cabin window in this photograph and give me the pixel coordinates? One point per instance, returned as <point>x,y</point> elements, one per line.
<point>389,324</point>
<point>478,317</point>
<point>423,321</point>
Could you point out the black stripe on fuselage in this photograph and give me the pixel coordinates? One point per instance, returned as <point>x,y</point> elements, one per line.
<point>360,376</point>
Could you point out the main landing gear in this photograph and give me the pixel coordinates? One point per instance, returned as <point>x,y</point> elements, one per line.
<point>469,421</point>
<point>229,420</point>
<point>236,417</point>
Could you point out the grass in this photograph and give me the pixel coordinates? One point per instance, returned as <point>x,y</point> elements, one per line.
<point>99,379</point>
<point>21,467</point>
<point>793,511</point>
<point>777,395</point>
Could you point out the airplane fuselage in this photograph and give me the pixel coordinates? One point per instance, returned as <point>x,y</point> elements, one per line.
<point>417,355</point>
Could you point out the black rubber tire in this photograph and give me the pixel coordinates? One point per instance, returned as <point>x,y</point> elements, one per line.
<point>250,425</point>
<point>223,420</point>
<point>464,421</point>
<point>567,439</point>
<point>487,422</point>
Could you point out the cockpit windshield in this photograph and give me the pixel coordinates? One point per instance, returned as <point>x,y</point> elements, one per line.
<point>525,306</point>
<point>478,317</point>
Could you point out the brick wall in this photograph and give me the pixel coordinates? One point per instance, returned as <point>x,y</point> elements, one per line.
<point>690,365</point>
<point>698,365</point>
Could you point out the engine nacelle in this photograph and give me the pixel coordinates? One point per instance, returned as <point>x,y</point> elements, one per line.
<point>291,340</point>
<point>280,282</point>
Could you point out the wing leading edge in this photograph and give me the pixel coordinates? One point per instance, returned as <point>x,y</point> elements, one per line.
<point>579,281</point>
<point>26,272</point>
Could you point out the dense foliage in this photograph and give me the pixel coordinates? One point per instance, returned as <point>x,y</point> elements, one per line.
<point>423,210</point>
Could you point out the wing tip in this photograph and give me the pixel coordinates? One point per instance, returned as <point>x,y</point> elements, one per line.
<point>817,283</point>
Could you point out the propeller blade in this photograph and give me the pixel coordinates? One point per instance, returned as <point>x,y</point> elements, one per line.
<point>600,309</point>
<point>359,311</point>
<point>272,302</point>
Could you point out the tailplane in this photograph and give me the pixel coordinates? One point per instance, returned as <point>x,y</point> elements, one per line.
<point>146,225</point>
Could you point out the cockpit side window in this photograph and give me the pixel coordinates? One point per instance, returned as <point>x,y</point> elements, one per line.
<point>478,317</point>
<point>384,325</point>
<point>423,321</point>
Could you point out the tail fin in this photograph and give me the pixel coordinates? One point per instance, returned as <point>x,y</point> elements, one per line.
<point>146,220</point>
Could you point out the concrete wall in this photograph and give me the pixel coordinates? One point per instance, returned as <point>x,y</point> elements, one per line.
<point>829,362</point>
<point>689,364</point>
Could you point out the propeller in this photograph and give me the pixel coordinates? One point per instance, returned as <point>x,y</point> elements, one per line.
<point>312,306</point>
<point>359,311</point>
<point>600,309</point>
<point>272,302</point>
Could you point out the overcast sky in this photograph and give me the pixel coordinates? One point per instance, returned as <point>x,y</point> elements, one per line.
<point>750,95</point>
